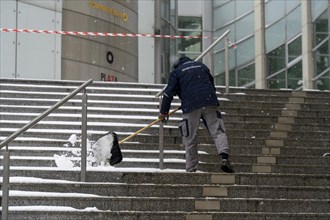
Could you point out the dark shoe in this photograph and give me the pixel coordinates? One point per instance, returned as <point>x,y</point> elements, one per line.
<point>225,166</point>
<point>192,171</point>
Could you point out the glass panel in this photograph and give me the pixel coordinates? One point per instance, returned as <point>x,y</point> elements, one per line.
<point>173,12</point>
<point>277,82</point>
<point>321,29</point>
<point>274,10</point>
<point>293,22</point>
<point>219,62</point>
<point>291,4</point>
<point>321,57</point>
<point>318,7</point>
<point>165,9</point>
<point>245,51</point>
<point>190,23</point>
<point>276,60</point>
<point>275,35</point>
<point>232,59</point>
<point>323,83</point>
<point>246,75</point>
<point>224,14</point>
<point>294,49</point>
<point>219,2</point>
<point>232,78</point>
<point>295,76</point>
<point>220,79</point>
<point>190,44</point>
<point>245,27</point>
<point>243,7</point>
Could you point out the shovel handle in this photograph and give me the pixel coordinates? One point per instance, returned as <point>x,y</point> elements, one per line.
<point>148,126</point>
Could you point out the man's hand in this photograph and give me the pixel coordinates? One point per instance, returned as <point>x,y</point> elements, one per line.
<point>163,117</point>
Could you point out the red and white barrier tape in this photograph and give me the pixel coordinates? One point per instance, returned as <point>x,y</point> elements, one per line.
<point>82,33</point>
<point>95,33</point>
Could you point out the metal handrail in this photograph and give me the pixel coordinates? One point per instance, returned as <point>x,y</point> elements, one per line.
<point>6,158</point>
<point>43,115</point>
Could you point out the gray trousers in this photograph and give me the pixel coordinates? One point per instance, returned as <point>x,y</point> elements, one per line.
<point>189,125</point>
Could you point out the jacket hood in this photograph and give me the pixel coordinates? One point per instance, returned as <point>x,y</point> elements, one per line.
<point>180,61</point>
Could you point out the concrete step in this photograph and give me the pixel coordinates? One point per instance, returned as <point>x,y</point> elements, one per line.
<point>73,113</point>
<point>44,84</point>
<point>262,108</point>
<point>132,163</point>
<point>306,142</point>
<point>46,149</point>
<point>256,98</point>
<point>312,151</point>
<point>43,157</point>
<point>113,92</point>
<point>312,120</point>
<point>290,168</point>
<point>321,135</point>
<point>169,204</point>
<point>317,112</point>
<point>76,118</point>
<point>49,97</point>
<point>276,179</point>
<point>107,111</point>
<point>67,213</point>
<point>157,176</point>
<point>171,131</point>
<point>171,190</point>
<point>233,137</point>
<point>311,127</point>
<point>174,163</point>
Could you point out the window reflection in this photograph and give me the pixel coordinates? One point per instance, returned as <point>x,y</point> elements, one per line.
<point>276,60</point>
<point>295,76</point>
<point>278,81</point>
<point>190,26</point>
<point>294,49</point>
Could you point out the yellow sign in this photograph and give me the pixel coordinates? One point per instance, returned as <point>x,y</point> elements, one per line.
<point>112,11</point>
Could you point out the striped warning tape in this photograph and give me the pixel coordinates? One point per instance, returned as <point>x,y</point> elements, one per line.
<point>95,33</point>
<point>83,33</point>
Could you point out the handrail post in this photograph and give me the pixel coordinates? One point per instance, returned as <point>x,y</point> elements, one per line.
<point>83,136</point>
<point>227,65</point>
<point>161,140</point>
<point>5,185</point>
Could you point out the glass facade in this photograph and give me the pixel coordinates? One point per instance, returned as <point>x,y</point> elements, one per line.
<point>168,27</point>
<point>321,48</point>
<point>238,17</point>
<point>283,43</point>
<point>190,26</point>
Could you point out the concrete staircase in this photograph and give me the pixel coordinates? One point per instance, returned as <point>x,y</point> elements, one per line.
<point>277,140</point>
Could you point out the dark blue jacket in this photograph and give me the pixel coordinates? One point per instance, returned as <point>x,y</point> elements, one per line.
<point>194,85</point>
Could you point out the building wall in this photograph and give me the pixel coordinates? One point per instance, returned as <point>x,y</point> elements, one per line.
<point>147,52</point>
<point>98,57</point>
<point>26,55</point>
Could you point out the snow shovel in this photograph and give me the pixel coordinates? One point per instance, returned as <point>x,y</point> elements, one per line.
<point>148,126</point>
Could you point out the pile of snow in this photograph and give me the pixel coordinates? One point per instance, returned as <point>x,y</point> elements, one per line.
<point>68,159</point>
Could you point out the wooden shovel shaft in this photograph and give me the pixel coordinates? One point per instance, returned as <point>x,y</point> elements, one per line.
<point>148,126</point>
